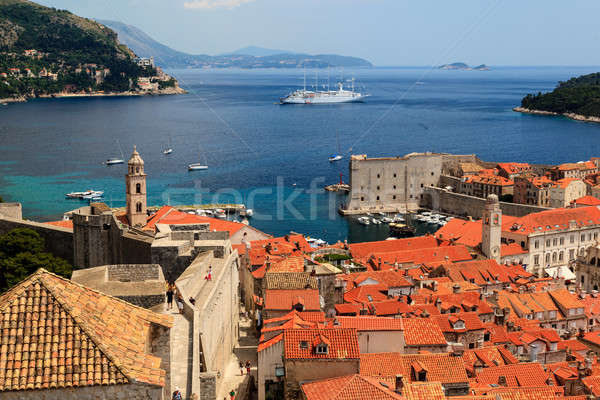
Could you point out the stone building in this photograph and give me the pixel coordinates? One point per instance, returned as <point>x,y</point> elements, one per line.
<point>587,269</point>
<point>491,232</point>
<point>486,184</point>
<point>566,190</point>
<point>75,342</point>
<point>577,170</point>
<point>396,183</point>
<point>533,190</point>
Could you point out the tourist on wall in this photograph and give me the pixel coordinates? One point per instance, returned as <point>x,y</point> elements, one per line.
<point>209,274</point>
<point>248,365</point>
<point>180,303</point>
<point>241,368</point>
<point>177,395</point>
<point>170,296</point>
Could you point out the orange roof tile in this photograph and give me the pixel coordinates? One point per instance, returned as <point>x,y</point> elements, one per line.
<point>421,256</point>
<point>587,201</point>
<point>286,299</point>
<point>343,343</point>
<point>268,343</point>
<point>525,374</point>
<point>514,167</point>
<point>446,322</point>
<point>363,323</point>
<point>170,216</point>
<point>352,387</point>
<point>422,332</point>
<point>556,219</point>
<point>566,299</point>
<point>64,326</point>
<point>424,391</point>
<point>592,383</point>
<point>363,249</point>
<point>63,223</point>
<point>487,179</point>
<point>444,368</point>
<point>366,294</point>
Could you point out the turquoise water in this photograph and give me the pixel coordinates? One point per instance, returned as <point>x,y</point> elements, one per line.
<point>257,150</point>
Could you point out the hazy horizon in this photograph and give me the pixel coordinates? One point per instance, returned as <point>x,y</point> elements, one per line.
<point>386,32</point>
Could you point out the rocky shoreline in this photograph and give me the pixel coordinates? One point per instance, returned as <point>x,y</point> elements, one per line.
<point>160,92</point>
<point>576,117</point>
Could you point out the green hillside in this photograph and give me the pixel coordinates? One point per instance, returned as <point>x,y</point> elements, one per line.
<point>44,50</point>
<point>577,95</point>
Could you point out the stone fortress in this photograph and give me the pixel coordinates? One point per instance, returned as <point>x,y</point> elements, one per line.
<point>114,254</point>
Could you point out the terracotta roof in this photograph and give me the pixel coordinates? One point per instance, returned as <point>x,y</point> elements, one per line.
<point>565,182</point>
<point>468,233</point>
<point>290,280</point>
<point>524,374</point>
<point>511,249</point>
<point>286,299</point>
<point>566,299</point>
<point>587,201</point>
<point>365,248</point>
<point>352,387</point>
<point>368,323</point>
<point>423,391</point>
<point>366,294</point>
<point>422,332</point>
<point>480,272</point>
<point>444,368</point>
<point>543,392</point>
<point>348,308</point>
<point>170,216</point>
<point>486,179</point>
<point>592,383</point>
<point>389,278</point>
<point>582,166</point>
<point>58,334</point>
<point>301,343</point>
<point>513,167</point>
<point>268,343</point>
<point>446,322</point>
<point>63,223</point>
<point>556,219</point>
<point>421,256</point>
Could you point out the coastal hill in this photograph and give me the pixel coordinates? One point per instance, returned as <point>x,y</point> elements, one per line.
<point>248,57</point>
<point>46,52</point>
<point>577,98</point>
<point>464,67</point>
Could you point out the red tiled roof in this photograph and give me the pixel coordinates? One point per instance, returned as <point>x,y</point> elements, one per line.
<point>524,374</point>
<point>422,332</point>
<point>481,272</point>
<point>511,249</point>
<point>573,345</point>
<point>421,256</point>
<point>270,342</point>
<point>513,167</point>
<point>592,383</point>
<point>68,335</point>
<point>520,393</point>
<point>557,219</point>
<point>343,343</point>
<point>359,250</point>
<point>587,201</point>
<point>286,299</point>
<point>348,308</point>
<point>63,224</point>
<point>565,182</point>
<point>446,322</point>
<point>352,387</point>
<point>365,294</point>
<point>444,368</point>
<point>170,216</point>
<point>488,179</point>
<point>389,278</point>
<point>566,299</point>
<point>424,391</point>
<point>363,323</point>
<point>582,166</point>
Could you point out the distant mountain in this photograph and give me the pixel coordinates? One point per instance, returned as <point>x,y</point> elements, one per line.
<point>465,67</point>
<point>144,46</point>
<point>258,52</point>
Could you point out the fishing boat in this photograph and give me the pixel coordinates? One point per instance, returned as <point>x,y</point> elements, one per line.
<point>198,166</point>
<point>169,149</point>
<point>116,160</point>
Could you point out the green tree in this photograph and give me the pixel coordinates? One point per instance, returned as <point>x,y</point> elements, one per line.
<point>22,253</point>
<point>1,199</point>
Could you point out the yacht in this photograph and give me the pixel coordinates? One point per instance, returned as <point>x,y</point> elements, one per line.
<point>364,220</point>
<point>387,220</point>
<point>376,221</point>
<point>337,156</point>
<point>341,95</point>
<point>116,160</point>
<point>169,149</point>
<point>198,166</point>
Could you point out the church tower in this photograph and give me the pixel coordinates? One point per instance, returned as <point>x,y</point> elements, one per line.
<point>491,228</point>
<point>135,187</point>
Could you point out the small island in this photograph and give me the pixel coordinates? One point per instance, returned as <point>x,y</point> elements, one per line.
<point>578,99</point>
<point>45,52</point>
<point>464,67</point>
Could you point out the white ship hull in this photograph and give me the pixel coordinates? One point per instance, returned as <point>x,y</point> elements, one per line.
<point>323,99</point>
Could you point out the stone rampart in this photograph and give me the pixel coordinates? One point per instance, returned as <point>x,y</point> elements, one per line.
<point>59,241</point>
<point>462,205</point>
<point>11,210</point>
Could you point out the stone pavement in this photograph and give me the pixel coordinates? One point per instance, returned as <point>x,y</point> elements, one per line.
<point>181,346</point>
<point>245,350</point>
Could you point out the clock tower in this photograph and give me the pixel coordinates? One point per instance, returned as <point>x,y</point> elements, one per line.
<point>491,228</point>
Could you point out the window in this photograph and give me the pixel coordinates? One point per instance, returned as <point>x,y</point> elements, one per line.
<point>536,244</point>
<point>572,239</point>
<point>378,176</point>
<point>377,197</point>
<point>536,260</point>
<point>547,258</point>
<point>595,235</point>
<point>562,241</point>
<point>471,345</point>
<point>394,175</point>
<point>548,243</point>
<point>582,279</point>
<point>421,185</point>
<point>589,236</point>
<point>554,256</point>
<point>554,242</point>
<point>394,187</point>
<point>486,336</point>
<point>561,256</point>
<point>377,187</point>
<point>571,254</point>
<point>137,169</point>
<point>422,375</point>
<point>321,349</point>
<point>583,237</point>
<point>394,197</point>
<point>362,198</point>
<point>138,188</point>
<point>138,207</point>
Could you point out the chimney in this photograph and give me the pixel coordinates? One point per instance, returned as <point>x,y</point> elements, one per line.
<point>502,380</point>
<point>399,383</point>
<point>588,361</point>
<point>458,349</point>
<point>456,288</point>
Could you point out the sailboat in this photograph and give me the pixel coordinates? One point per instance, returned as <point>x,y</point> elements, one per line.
<point>169,149</point>
<point>115,160</point>
<point>198,166</point>
<point>338,156</point>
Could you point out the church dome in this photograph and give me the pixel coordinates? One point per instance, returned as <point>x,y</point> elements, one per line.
<point>135,158</point>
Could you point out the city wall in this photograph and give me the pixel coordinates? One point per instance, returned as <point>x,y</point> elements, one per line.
<point>462,205</point>
<point>59,241</point>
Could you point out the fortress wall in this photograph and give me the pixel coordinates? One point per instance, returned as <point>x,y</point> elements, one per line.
<point>59,241</point>
<point>463,205</point>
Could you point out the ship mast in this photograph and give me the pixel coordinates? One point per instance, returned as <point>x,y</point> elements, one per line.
<point>305,78</point>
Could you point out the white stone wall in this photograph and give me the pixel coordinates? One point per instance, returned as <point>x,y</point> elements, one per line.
<point>113,392</point>
<point>268,359</point>
<point>381,341</point>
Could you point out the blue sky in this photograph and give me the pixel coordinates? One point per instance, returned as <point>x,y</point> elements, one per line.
<point>386,32</point>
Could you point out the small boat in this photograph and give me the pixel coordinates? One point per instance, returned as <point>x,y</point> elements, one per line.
<point>381,214</point>
<point>87,195</point>
<point>169,149</point>
<point>198,166</point>
<point>208,212</point>
<point>201,212</point>
<point>220,213</point>
<point>399,218</point>
<point>337,156</point>
<point>364,220</point>
<point>376,221</point>
<point>387,220</point>
<point>116,160</point>
<point>249,212</point>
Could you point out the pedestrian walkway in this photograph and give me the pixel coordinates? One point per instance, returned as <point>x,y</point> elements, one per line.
<point>181,358</point>
<point>245,350</point>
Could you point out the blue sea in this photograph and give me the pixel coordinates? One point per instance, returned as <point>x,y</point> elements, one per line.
<point>273,158</point>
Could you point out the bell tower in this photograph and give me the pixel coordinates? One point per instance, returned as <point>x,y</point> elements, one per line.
<point>135,187</point>
<point>491,228</point>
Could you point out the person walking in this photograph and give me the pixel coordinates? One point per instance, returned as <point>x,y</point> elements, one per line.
<point>248,365</point>
<point>177,395</point>
<point>170,297</point>
<point>232,395</point>
<point>241,368</point>
<point>180,303</point>
<point>209,274</point>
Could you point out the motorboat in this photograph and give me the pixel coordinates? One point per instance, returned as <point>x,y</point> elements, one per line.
<point>87,195</point>
<point>364,221</point>
<point>335,157</point>
<point>198,166</point>
<point>376,221</point>
<point>116,160</point>
<point>387,220</point>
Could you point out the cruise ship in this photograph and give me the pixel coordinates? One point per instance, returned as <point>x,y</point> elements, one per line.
<point>341,95</point>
